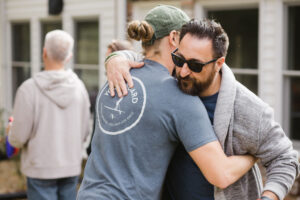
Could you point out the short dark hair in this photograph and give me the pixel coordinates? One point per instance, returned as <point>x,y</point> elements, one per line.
<point>209,29</point>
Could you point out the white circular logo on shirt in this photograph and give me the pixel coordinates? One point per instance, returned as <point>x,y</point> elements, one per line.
<point>116,115</point>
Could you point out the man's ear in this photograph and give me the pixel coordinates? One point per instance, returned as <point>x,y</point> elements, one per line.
<point>219,63</point>
<point>174,38</point>
<point>44,53</point>
<point>68,58</point>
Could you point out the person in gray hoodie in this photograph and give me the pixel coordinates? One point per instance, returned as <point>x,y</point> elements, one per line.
<point>51,122</point>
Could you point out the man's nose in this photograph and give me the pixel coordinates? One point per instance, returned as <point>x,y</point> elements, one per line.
<point>185,70</point>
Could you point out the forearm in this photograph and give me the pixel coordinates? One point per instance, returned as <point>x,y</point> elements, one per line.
<point>15,141</point>
<point>23,119</point>
<point>281,174</point>
<point>20,130</point>
<point>236,166</point>
<point>219,169</point>
<point>86,125</point>
<point>129,55</point>
<point>277,155</point>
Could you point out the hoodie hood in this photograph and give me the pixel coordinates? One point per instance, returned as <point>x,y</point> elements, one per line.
<point>58,85</point>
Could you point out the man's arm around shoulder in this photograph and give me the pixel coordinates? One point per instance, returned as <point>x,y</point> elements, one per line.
<point>219,169</point>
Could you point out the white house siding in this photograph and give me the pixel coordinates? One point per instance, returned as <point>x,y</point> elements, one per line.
<point>101,9</point>
<point>271,54</point>
<point>110,14</point>
<point>1,52</point>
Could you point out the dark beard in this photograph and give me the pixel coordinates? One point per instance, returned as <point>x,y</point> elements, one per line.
<point>197,87</point>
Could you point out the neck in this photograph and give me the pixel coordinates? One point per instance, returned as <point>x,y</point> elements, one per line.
<point>214,86</point>
<point>164,57</point>
<point>51,65</point>
<point>163,62</point>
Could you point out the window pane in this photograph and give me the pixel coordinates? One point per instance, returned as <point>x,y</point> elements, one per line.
<point>19,75</point>
<point>87,42</point>
<point>90,80</point>
<point>49,26</point>
<point>294,40</point>
<point>250,81</point>
<point>242,29</point>
<point>20,42</point>
<point>295,108</point>
<point>45,28</point>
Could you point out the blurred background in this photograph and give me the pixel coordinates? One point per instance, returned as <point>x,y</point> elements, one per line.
<point>264,43</point>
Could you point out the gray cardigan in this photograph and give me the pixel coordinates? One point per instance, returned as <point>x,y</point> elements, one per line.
<point>244,124</point>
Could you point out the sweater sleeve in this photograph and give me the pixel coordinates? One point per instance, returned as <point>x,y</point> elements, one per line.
<point>130,55</point>
<point>86,114</point>
<point>23,114</point>
<point>277,154</point>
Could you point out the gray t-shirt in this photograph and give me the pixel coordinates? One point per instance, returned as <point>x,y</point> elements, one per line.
<point>135,136</point>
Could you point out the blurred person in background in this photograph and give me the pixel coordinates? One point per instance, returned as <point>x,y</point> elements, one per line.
<point>115,45</point>
<point>51,122</point>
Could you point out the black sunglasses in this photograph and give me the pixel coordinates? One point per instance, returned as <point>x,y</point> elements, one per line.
<point>193,65</point>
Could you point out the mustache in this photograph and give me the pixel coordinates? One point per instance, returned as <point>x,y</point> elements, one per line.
<point>187,78</point>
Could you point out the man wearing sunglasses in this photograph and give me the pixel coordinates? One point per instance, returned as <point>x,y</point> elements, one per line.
<point>194,65</point>
<point>242,121</point>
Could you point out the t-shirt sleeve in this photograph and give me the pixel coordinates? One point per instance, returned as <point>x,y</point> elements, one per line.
<point>192,123</point>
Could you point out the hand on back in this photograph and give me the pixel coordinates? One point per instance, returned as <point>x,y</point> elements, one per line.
<point>117,70</point>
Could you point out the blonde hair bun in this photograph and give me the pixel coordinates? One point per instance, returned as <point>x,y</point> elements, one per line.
<point>140,30</point>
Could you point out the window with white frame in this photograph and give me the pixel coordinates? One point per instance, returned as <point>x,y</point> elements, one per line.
<point>20,54</point>
<point>292,73</point>
<point>87,56</point>
<point>242,29</point>
<point>47,27</point>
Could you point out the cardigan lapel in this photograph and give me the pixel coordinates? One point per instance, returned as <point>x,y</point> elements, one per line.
<point>225,104</point>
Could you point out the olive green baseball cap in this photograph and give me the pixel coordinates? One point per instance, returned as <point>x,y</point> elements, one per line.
<point>164,19</point>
